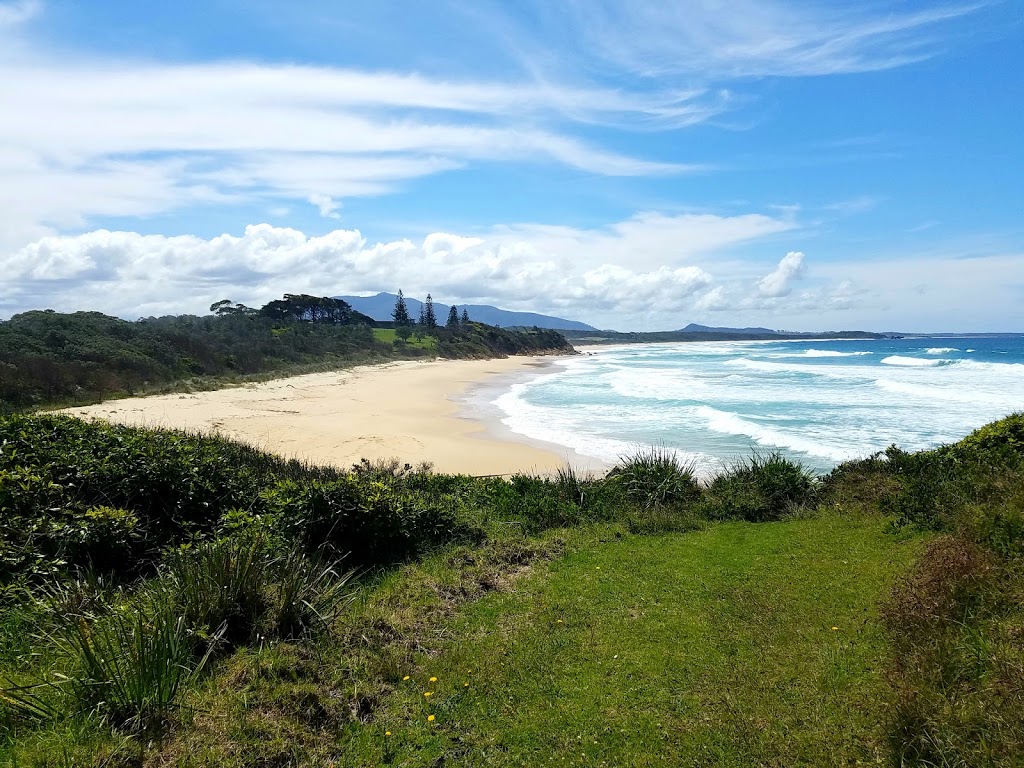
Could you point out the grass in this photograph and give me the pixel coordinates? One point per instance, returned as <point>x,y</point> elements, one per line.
<point>416,341</point>
<point>768,617</point>
<point>708,648</point>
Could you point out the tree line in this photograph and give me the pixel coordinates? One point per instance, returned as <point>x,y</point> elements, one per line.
<point>49,358</point>
<point>428,317</point>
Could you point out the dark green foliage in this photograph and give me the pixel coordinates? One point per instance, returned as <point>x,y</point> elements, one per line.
<point>49,358</point>
<point>655,477</point>
<point>311,591</point>
<point>369,521</point>
<point>762,488</point>
<point>126,657</point>
<point>999,437</point>
<point>956,621</point>
<point>401,312</point>
<point>313,309</point>
<point>429,316</point>
<point>475,340</point>
<point>453,318</point>
<point>537,503</point>
<point>222,586</point>
<point>76,493</point>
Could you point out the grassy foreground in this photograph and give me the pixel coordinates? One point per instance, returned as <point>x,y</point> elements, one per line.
<point>737,645</point>
<point>170,599</point>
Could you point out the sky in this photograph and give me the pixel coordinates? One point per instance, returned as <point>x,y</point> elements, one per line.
<point>637,165</point>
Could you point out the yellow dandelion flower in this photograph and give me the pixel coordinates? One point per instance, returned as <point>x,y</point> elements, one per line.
<point>430,718</point>
<point>559,622</point>
<point>433,679</point>
<point>406,677</point>
<point>835,629</point>
<point>428,694</point>
<point>387,733</point>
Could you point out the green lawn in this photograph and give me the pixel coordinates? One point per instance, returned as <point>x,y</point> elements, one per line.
<point>739,645</point>
<point>388,336</point>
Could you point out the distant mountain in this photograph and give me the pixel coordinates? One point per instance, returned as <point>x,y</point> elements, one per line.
<point>695,328</point>
<point>379,307</point>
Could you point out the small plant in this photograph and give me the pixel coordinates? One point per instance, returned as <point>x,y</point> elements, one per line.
<point>127,665</point>
<point>762,488</point>
<point>572,486</point>
<point>655,476</point>
<point>223,584</point>
<point>311,592</point>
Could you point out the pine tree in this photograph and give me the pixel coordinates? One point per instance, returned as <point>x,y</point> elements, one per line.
<point>401,313</point>
<point>465,316</point>
<point>453,318</point>
<point>423,315</point>
<point>429,318</point>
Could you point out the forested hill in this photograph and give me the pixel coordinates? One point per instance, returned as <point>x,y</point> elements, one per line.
<point>51,358</point>
<point>381,305</point>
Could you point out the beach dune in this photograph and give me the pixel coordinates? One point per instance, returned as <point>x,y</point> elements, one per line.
<point>406,410</point>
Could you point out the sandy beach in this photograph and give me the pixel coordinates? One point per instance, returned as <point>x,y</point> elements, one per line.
<point>408,410</point>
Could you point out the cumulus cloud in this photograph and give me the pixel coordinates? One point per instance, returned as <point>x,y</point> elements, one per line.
<point>779,282</point>
<point>579,271</point>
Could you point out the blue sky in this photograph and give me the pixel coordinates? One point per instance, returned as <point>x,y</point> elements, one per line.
<point>636,165</point>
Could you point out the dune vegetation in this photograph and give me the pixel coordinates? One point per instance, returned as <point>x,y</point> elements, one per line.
<point>51,358</point>
<point>171,599</point>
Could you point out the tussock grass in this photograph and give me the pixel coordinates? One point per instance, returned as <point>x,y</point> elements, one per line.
<point>763,487</point>
<point>655,477</point>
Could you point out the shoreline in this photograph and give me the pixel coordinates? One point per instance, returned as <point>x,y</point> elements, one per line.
<point>415,411</point>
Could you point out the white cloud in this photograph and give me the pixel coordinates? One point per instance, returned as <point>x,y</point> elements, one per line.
<point>328,208</point>
<point>754,38</point>
<point>82,139</point>
<point>530,267</point>
<point>136,275</point>
<point>779,282</point>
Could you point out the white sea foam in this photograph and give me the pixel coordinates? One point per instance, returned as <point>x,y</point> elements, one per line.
<point>712,402</point>
<point>823,353</point>
<point>912,361</point>
<point>942,350</point>
<point>734,424</point>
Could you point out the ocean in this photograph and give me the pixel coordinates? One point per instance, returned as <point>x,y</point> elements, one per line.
<point>821,402</point>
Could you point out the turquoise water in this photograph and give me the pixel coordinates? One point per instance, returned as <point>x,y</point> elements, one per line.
<point>818,401</point>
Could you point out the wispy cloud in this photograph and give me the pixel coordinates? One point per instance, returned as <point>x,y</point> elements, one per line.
<point>18,12</point>
<point>82,138</point>
<point>708,39</point>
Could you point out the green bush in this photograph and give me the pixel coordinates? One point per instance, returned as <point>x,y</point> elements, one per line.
<point>762,488</point>
<point>374,522</point>
<point>655,477</point>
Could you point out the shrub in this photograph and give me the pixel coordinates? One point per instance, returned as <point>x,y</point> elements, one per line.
<point>762,488</point>
<point>655,476</point>
<point>944,586</point>
<point>373,522</point>
<point>127,665</point>
<point>539,503</point>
